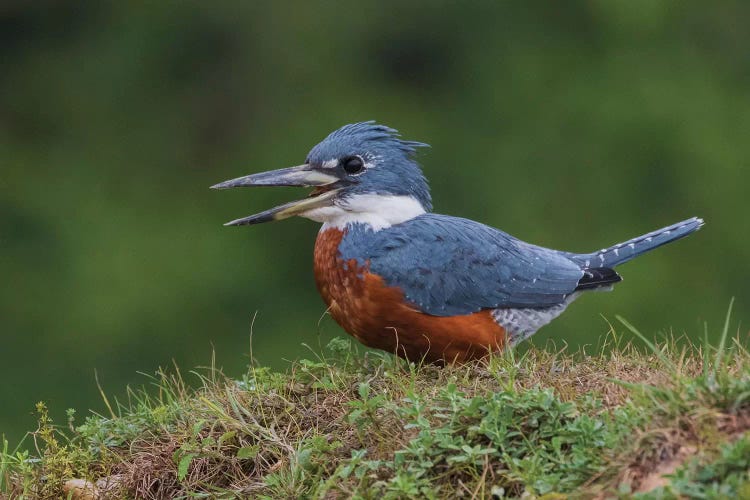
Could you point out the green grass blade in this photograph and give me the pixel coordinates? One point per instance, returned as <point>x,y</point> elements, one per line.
<point>3,464</point>
<point>723,341</point>
<point>667,362</point>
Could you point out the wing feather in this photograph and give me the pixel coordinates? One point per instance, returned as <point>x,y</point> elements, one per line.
<point>448,266</point>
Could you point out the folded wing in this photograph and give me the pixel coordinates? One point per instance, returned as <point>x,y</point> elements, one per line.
<point>450,266</point>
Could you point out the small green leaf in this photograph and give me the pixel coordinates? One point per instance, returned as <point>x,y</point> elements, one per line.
<point>247,452</point>
<point>303,458</point>
<point>198,426</point>
<point>182,467</point>
<point>227,436</point>
<point>364,390</point>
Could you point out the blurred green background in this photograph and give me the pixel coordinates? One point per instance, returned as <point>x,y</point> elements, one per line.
<point>569,124</point>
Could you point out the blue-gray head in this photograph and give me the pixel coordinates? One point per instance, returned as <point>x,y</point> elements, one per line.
<point>362,173</point>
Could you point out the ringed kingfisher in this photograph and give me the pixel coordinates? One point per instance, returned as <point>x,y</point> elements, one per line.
<point>403,279</point>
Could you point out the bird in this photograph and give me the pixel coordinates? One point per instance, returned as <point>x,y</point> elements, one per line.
<point>424,286</point>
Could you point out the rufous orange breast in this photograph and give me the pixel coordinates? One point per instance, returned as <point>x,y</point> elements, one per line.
<point>379,316</point>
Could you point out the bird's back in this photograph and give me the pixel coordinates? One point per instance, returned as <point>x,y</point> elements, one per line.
<point>448,265</point>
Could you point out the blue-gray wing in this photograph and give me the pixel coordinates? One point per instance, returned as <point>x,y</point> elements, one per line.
<point>450,266</point>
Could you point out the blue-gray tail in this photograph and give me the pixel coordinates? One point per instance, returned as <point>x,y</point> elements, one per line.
<point>623,252</point>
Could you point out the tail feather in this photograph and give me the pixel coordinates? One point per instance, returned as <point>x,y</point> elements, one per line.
<point>623,252</point>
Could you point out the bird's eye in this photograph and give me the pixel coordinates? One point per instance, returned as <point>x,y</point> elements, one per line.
<point>353,164</point>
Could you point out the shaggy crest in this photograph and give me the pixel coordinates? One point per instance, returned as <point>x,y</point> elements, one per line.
<point>372,131</point>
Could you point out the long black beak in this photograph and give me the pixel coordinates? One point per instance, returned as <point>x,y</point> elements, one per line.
<point>303,175</point>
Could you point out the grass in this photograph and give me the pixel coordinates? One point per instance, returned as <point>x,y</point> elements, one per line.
<point>669,420</point>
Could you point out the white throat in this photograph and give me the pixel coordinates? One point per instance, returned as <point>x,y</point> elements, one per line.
<point>374,210</point>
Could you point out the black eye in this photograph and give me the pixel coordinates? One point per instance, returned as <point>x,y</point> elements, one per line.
<point>353,164</point>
